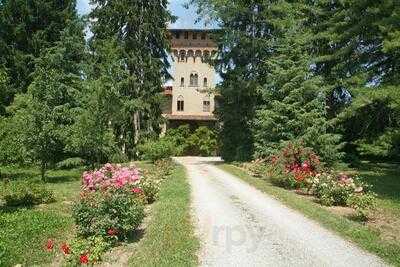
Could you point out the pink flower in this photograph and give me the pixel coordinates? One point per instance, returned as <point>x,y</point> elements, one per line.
<point>112,232</point>
<point>137,190</point>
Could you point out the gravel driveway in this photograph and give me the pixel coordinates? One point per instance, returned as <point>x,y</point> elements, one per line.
<point>241,226</point>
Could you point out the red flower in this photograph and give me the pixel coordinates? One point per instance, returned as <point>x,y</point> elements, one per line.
<point>50,244</point>
<point>137,190</point>
<point>65,249</point>
<point>112,232</point>
<point>84,259</point>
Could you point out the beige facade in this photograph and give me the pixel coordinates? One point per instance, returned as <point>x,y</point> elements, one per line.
<point>193,77</point>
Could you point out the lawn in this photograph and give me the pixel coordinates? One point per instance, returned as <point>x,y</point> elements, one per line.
<point>24,231</point>
<point>169,239</point>
<point>380,236</point>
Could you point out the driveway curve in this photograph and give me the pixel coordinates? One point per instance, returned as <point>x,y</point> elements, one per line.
<point>240,226</point>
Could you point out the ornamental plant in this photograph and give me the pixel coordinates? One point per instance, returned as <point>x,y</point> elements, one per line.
<point>110,199</point>
<point>294,167</point>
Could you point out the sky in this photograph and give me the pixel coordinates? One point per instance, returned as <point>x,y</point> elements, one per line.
<point>186,17</point>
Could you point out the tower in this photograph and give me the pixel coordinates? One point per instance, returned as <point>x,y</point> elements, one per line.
<point>190,100</point>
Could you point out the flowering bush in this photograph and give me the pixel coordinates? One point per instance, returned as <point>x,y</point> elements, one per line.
<point>97,212</point>
<point>110,176</point>
<point>299,167</point>
<point>111,198</point>
<point>293,167</point>
<point>85,251</point>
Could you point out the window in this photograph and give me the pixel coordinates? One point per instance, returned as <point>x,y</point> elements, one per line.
<point>203,36</point>
<point>182,82</point>
<point>205,82</point>
<point>182,55</point>
<point>186,35</point>
<point>180,104</point>
<point>177,35</point>
<point>206,105</point>
<point>194,36</point>
<point>194,79</point>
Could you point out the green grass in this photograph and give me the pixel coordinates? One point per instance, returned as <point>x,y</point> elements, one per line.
<point>366,237</point>
<point>24,231</point>
<point>169,239</point>
<point>385,179</point>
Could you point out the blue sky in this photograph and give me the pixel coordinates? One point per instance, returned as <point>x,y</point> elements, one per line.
<point>186,18</point>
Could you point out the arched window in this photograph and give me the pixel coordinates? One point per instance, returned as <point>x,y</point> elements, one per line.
<point>182,55</point>
<point>182,82</point>
<point>194,79</point>
<point>205,82</point>
<point>206,104</point>
<point>180,104</point>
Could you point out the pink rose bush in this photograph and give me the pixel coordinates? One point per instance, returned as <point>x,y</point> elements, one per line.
<point>110,176</point>
<point>297,167</point>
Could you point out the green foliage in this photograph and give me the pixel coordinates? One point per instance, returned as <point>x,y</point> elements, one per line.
<point>23,193</point>
<point>94,247</point>
<point>150,186</point>
<point>371,124</point>
<point>139,57</point>
<point>27,29</point>
<point>202,142</point>
<point>70,163</point>
<point>179,137</point>
<point>48,106</point>
<point>363,204</point>
<point>159,149</point>
<point>97,212</point>
<point>179,142</point>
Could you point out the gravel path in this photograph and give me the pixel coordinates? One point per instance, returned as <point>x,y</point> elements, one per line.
<point>240,226</point>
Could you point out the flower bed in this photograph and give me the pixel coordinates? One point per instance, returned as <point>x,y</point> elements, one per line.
<point>110,208</point>
<point>296,167</point>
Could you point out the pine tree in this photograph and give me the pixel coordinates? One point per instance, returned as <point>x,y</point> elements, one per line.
<point>27,28</point>
<point>294,107</point>
<point>358,49</point>
<point>244,42</point>
<point>49,105</point>
<point>139,28</point>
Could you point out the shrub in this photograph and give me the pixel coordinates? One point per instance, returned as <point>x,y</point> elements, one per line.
<point>70,163</point>
<point>110,201</point>
<point>150,187</point>
<point>97,212</point>
<point>86,250</point>
<point>202,142</point>
<point>164,167</point>
<point>335,189</point>
<point>363,204</point>
<point>160,149</point>
<point>179,136</point>
<point>24,193</point>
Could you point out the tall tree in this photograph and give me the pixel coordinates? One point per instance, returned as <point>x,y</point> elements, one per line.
<point>358,49</point>
<point>140,30</point>
<point>294,107</point>
<point>244,42</point>
<point>26,29</point>
<point>50,103</point>
<point>269,92</point>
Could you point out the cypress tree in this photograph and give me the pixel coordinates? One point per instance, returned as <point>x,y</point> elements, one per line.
<point>140,31</point>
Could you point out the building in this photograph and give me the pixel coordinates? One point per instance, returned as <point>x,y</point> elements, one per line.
<point>190,99</point>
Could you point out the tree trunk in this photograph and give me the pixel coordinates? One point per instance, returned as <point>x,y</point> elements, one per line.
<point>43,171</point>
